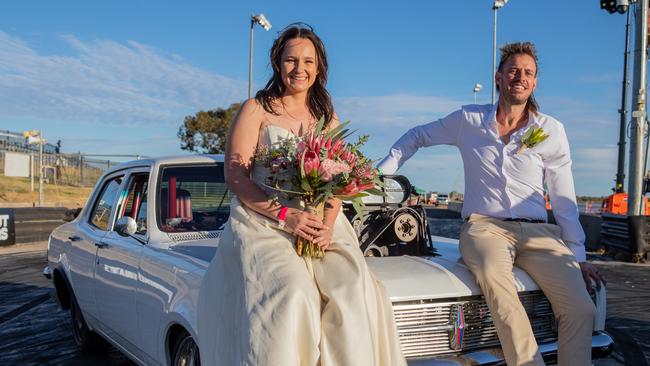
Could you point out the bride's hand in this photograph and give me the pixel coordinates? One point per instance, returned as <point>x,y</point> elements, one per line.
<point>324,239</point>
<point>304,223</point>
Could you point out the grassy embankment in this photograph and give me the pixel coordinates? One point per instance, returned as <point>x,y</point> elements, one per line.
<point>17,192</point>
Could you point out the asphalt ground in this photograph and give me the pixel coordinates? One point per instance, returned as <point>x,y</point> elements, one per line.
<point>34,331</point>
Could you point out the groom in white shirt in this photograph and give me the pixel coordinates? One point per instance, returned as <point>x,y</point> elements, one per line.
<point>505,210</point>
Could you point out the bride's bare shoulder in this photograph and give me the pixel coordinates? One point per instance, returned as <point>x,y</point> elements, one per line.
<point>251,114</point>
<point>334,121</point>
<point>251,108</point>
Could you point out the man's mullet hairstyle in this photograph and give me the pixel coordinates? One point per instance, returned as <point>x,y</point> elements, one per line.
<point>521,48</point>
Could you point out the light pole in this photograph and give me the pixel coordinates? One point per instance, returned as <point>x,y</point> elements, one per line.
<point>264,23</point>
<point>621,7</point>
<point>498,4</point>
<point>477,88</point>
<point>36,137</point>
<point>638,125</point>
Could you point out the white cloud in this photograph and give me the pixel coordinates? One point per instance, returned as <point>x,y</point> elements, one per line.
<point>107,82</point>
<point>394,110</point>
<point>594,169</point>
<point>437,169</point>
<point>386,118</point>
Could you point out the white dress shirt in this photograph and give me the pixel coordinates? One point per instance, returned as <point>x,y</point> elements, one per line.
<point>499,182</point>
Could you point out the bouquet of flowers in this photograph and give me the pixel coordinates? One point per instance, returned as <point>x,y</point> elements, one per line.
<point>316,167</point>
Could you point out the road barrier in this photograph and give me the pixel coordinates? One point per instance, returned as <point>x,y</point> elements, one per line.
<point>630,234</point>
<point>34,223</point>
<point>7,230</point>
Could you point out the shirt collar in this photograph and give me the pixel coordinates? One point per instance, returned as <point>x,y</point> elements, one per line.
<point>490,123</point>
<point>533,122</point>
<point>491,118</point>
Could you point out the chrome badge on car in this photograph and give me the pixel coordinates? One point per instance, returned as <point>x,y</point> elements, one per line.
<point>457,320</point>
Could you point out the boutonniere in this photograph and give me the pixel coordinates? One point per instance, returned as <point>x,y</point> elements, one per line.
<point>532,137</point>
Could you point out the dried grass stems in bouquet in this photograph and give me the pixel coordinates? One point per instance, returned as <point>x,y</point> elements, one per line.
<point>317,167</point>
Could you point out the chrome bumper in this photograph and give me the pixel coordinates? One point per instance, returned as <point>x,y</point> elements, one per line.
<point>47,272</point>
<point>601,345</point>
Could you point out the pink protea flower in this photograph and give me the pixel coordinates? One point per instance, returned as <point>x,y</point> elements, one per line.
<point>300,147</point>
<point>314,142</point>
<point>330,168</point>
<point>349,157</point>
<point>350,189</point>
<point>310,162</point>
<point>365,186</point>
<point>365,172</point>
<point>355,186</point>
<point>334,148</point>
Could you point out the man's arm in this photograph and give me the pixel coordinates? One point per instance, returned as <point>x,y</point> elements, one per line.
<point>443,131</point>
<point>559,180</point>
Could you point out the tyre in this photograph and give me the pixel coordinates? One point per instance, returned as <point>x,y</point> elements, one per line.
<point>186,352</point>
<point>85,339</point>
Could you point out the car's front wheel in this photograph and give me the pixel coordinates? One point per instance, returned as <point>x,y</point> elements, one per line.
<point>85,339</point>
<point>186,352</point>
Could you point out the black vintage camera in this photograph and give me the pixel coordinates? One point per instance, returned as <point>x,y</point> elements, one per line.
<point>390,226</point>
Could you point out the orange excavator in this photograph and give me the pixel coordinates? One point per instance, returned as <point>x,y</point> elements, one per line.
<point>616,203</point>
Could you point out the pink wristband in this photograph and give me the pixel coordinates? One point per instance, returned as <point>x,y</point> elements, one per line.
<point>282,217</point>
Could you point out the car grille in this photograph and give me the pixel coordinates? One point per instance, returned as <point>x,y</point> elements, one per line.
<point>194,235</point>
<point>430,327</point>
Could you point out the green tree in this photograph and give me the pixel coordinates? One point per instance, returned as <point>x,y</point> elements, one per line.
<point>206,132</point>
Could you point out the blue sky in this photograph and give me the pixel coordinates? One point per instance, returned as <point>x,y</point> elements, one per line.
<point>118,77</point>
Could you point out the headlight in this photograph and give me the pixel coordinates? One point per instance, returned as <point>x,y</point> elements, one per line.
<point>396,187</point>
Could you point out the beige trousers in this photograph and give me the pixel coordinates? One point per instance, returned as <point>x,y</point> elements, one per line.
<point>490,247</point>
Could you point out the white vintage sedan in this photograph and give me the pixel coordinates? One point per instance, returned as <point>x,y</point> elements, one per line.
<point>130,265</point>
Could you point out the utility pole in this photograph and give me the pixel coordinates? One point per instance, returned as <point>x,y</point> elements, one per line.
<point>635,184</point>
<point>264,23</point>
<point>250,60</point>
<point>31,166</point>
<point>36,137</point>
<point>41,171</point>
<point>498,4</point>
<point>620,171</point>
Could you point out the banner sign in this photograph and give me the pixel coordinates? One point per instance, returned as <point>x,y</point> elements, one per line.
<point>7,227</point>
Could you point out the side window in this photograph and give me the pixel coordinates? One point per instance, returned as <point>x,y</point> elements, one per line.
<point>135,202</point>
<point>101,214</point>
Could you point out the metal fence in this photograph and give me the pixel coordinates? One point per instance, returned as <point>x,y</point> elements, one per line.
<point>70,169</point>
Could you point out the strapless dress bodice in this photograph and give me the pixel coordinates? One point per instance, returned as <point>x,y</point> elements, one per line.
<point>272,136</point>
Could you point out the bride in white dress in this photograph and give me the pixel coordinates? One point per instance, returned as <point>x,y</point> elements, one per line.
<point>260,303</point>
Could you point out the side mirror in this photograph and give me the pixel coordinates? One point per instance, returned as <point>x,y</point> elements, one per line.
<point>126,226</point>
<point>71,214</point>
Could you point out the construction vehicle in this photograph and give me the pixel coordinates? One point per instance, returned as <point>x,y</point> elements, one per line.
<point>616,204</point>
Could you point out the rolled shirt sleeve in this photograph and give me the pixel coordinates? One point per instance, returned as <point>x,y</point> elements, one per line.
<point>561,190</point>
<point>444,131</point>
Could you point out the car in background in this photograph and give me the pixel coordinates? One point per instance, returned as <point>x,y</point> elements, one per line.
<point>443,199</point>
<point>129,268</point>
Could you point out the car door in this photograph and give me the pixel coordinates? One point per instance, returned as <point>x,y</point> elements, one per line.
<point>90,232</point>
<point>116,272</point>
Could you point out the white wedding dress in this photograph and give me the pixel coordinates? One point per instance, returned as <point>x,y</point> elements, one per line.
<point>262,304</point>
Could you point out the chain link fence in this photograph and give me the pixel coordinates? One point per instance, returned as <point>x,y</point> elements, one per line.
<point>81,170</point>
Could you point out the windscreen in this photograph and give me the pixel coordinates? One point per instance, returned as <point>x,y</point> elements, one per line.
<point>192,198</point>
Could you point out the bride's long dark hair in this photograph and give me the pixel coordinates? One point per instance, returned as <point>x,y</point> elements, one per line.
<point>319,100</point>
